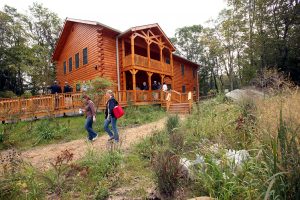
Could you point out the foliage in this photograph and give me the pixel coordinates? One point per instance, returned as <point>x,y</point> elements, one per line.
<point>7,94</point>
<point>102,194</point>
<point>172,123</point>
<point>26,47</point>
<point>167,172</point>
<point>246,38</point>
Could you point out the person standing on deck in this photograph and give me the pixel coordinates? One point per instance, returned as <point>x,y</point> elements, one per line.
<point>110,118</point>
<point>144,86</point>
<point>90,118</point>
<point>165,87</point>
<point>67,88</point>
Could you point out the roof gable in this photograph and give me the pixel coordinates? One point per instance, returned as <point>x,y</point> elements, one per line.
<point>67,27</point>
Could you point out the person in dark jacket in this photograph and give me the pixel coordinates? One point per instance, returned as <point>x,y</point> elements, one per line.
<point>90,118</point>
<point>144,86</point>
<point>110,118</point>
<point>55,88</point>
<point>67,88</point>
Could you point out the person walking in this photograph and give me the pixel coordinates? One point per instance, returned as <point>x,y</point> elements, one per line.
<point>110,118</point>
<point>90,118</point>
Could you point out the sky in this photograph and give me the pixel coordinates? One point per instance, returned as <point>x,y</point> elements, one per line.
<point>123,14</point>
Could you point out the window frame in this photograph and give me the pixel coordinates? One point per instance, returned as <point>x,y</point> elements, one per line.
<point>70,61</point>
<point>85,56</point>
<point>183,89</point>
<point>182,69</point>
<point>65,67</point>
<point>77,60</point>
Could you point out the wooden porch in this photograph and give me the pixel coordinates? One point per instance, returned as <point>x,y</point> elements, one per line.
<point>68,104</point>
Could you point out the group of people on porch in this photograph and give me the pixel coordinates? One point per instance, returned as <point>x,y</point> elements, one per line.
<point>155,86</point>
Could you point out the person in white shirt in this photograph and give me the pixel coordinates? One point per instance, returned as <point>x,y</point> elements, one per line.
<point>165,87</point>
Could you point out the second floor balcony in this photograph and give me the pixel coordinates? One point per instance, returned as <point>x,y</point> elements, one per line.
<point>146,64</point>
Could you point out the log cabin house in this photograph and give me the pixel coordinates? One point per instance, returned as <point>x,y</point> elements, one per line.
<point>88,49</point>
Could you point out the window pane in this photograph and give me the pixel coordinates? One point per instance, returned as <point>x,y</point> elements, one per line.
<point>70,64</point>
<point>183,89</point>
<point>168,61</point>
<point>182,69</point>
<point>77,60</point>
<point>65,67</point>
<point>85,56</point>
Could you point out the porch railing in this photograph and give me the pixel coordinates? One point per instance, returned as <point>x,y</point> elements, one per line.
<point>143,62</point>
<point>47,104</point>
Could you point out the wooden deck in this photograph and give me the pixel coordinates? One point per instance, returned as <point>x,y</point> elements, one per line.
<point>68,104</point>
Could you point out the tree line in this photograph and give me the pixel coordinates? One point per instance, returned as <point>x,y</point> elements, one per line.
<point>248,37</point>
<point>26,45</point>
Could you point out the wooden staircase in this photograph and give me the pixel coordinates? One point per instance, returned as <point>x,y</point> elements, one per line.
<point>179,108</point>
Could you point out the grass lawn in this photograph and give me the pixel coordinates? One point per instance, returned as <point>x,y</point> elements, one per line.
<point>24,135</point>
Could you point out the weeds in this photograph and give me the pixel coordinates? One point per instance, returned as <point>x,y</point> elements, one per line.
<point>167,172</point>
<point>172,123</point>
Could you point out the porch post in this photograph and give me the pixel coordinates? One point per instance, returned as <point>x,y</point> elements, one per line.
<point>148,52</point>
<point>124,86</point>
<point>132,49</point>
<point>149,80</point>
<point>162,76</point>
<point>123,53</point>
<point>161,57</point>
<point>171,62</point>
<point>133,72</point>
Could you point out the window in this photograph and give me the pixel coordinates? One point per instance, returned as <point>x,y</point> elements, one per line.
<point>168,61</point>
<point>65,67</point>
<point>194,89</point>
<point>183,89</point>
<point>194,73</point>
<point>182,69</point>
<point>77,60</point>
<point>85,56</point>
<point>70,64</point>
<point>78,87</point>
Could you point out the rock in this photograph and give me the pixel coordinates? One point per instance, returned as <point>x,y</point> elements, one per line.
<point>240,94</point>
<point>185,165</point>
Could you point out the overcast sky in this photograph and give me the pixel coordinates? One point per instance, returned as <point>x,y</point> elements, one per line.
<point>123,14</point>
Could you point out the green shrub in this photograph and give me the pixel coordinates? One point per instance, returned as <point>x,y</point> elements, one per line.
<point>167,172</point>
<point>176,141</point>
<point>172,123</point>
<point>7,94</point>
<point>148,147</point>
<point>283,159</point>
<point>27,94</point>
<point>101,194</point>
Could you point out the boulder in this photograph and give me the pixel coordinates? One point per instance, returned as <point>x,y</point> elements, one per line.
<point>240,94</point>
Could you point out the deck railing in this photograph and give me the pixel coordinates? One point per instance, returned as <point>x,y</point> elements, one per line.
<point>48,104</point>
<point>143,62</point>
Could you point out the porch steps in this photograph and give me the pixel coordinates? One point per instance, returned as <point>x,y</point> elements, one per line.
<point>179,108</point>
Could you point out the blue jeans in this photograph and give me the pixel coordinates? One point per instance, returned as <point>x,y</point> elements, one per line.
<point>89,127</point>
<point>113,122</point>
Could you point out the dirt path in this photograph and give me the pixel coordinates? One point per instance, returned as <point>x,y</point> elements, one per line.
<point>41,157</point>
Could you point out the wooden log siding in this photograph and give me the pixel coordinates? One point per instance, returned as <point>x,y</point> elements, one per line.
<point>101,44</point>
<point>187,79</point>
<point>81,36</point>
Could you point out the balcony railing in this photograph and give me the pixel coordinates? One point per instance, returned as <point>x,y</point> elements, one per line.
<point>142,61</point>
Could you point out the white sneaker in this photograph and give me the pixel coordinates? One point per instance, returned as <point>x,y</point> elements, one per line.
<point>95,138</point>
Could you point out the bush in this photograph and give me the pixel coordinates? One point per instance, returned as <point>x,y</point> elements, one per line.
<point>167,172</point>
<point>27,94</point>
<point>102,194</point>
<point>147,148</point>
<point>176,141</point>
<point>7,94</point>
<point>172,123</point>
